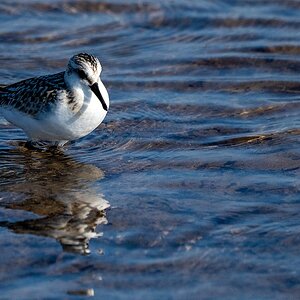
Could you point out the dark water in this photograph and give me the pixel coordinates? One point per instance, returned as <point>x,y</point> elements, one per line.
<point>190,188</point>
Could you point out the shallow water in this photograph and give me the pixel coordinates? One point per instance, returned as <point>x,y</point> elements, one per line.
<point>189,188</point>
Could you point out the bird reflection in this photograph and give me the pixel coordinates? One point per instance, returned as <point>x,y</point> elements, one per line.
<point>59,190</point>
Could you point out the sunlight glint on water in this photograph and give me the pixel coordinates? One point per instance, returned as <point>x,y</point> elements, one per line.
<point>190,186</point>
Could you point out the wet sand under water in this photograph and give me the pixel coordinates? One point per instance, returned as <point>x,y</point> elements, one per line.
<point>189,189</point>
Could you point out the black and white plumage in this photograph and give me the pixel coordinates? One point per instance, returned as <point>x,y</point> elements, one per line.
<point>60,107</point>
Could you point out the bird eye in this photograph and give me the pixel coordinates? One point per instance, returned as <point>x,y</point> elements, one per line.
<point>81,74</point>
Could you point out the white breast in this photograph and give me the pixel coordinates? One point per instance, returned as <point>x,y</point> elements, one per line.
<point>65,124</point>
<point>69,125</point>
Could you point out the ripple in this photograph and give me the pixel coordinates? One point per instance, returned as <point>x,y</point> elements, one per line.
<point>74,7</point>
<point>193,173</point>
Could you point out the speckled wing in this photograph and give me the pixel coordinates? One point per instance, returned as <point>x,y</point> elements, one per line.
<point>34,95</point>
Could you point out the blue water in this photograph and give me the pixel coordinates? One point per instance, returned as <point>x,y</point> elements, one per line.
<point>189,189</point>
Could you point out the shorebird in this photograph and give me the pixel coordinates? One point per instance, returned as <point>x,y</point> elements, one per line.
<point>60,107</point>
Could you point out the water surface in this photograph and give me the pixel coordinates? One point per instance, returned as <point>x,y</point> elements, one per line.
<point>189,188</point>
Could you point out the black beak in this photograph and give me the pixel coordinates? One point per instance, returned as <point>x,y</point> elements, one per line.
<point>95,88</point>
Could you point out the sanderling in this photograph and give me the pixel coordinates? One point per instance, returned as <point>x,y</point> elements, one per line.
<point>61,107</point>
